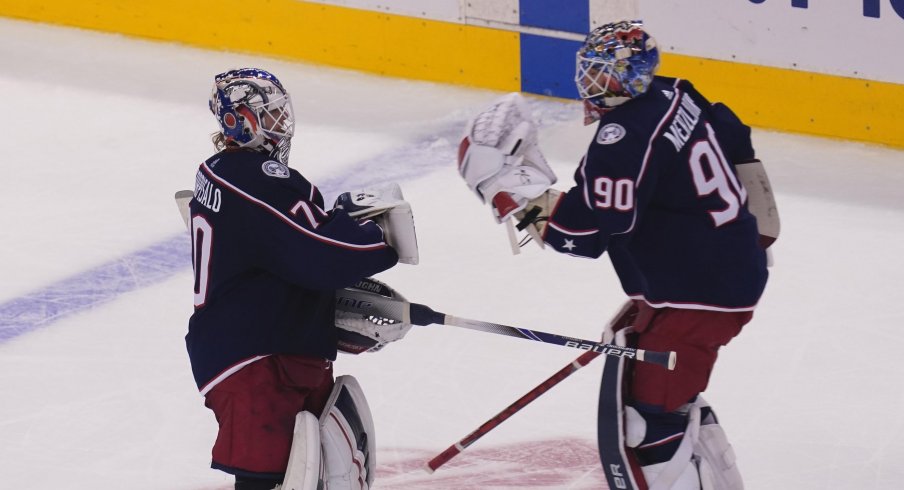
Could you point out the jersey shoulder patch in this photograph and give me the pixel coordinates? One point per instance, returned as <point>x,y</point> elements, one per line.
<point>275,169</point>
<point>610,133</point>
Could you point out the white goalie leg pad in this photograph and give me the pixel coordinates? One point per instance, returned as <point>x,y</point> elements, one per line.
<point>687,480</point>
<point>679,473</point>
<point>305,470</point>
<point>347,438</point>
<point>716,457</point>
<point>704,459</point>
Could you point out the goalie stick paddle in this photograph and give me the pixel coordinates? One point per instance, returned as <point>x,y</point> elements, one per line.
<point>182,200</point>
<point>456,449</point>
<point>370,304</point>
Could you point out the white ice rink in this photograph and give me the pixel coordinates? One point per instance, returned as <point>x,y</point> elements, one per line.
<point>98,131</point>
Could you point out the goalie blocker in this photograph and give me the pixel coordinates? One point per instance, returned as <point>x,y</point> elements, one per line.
<point>389,209</point>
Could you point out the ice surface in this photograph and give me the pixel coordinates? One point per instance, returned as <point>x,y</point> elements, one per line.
<point>96,390</point>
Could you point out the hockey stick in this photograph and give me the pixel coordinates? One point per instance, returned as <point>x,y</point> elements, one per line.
<point>358,301</point>
<point>620,319</point>
<point>370,304</point>
<point>456,449</point>
<point>182,200</point>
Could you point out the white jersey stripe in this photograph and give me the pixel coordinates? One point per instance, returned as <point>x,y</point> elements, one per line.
<point>691,306</point>
<point>288,220</point>
<point>229,372</point>
<point>583,170</point>
<point>562,229</point>
<point>646,156</point>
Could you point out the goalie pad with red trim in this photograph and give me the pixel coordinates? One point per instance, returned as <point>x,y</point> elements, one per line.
<point>305,469</point>
<point>347,438</point>
<point>702,458</point>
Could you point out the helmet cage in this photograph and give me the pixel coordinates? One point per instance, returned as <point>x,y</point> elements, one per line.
<point>595,81</point>
<point>616,63</point>
<point>252,109</point>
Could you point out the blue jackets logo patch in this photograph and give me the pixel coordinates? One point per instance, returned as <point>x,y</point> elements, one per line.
<point>275,169</point>
<point>610,133</point>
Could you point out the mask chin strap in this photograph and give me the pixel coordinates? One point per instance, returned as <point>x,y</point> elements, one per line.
<point>613,102</point>
<point>593,112</point>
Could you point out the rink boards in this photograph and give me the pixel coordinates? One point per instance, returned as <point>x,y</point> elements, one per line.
<point>526,45</point>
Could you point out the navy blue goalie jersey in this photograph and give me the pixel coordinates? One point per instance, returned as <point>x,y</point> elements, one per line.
<point>657,189</point>
<point>267,261</point>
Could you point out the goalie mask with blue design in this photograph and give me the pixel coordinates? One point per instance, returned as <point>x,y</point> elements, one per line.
<point>616,63</point>
<point>253,111</point>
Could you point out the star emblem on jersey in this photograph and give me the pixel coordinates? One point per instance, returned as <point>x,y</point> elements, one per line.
<point>275,169</point>
<point>569,245</point>
<point>610,133</point>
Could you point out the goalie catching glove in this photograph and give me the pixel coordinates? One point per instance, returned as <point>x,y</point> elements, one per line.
<point>359,333</point>
<point>385,205</point>
<point>500,160</point>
